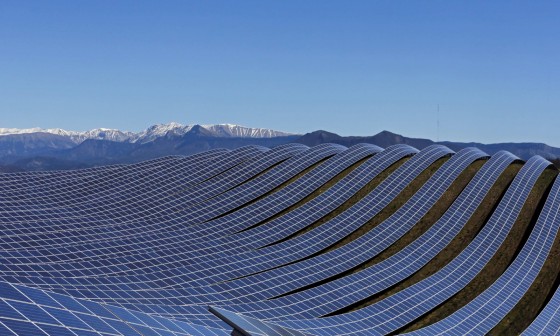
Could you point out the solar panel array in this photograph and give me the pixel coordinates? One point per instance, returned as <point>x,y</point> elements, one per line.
<point>292,240</point>
<point>339,293</point>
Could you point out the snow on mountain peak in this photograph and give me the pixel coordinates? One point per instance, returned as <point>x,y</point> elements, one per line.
<point>155,131</point>
<point>230,130</point>
<point>151,133</point>
<point>9,131</point>
<point>220,130</point>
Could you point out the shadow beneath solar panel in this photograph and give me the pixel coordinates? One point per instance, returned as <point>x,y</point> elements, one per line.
<point>460,242</point>
<point>235,332</point>
<point>499,262</point>
<point>312,195</point>
<point>349,203</point>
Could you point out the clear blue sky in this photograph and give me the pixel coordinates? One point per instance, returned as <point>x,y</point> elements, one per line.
<point>351,67</point>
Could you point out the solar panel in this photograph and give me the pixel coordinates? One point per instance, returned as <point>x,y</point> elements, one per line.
<point>23,311</point>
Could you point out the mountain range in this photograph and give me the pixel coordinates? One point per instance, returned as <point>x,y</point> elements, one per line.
<point>149,134</point>
<point>49,149</point>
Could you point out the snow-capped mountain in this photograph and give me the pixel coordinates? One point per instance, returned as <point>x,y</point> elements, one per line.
<point>76,137</point>
<point>218,130</point>
<point>155,131</point>
<point>229,130</point>
<point>57,131</point>
<point>44,149</point>
<point>102,134</point>
<point>151,133</point>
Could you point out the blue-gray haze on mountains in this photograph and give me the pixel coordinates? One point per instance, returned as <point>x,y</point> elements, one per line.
<point>45,151</point>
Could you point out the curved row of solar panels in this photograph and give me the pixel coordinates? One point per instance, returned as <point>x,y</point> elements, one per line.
<point>292,240</point>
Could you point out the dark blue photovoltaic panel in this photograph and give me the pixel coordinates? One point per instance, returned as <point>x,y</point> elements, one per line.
<point>9,291</point>
<point>146,248</point>
<point>32,312</point>
<point>365,321</point>
<point>293,221</point>
<point>30,318</point>
<point>22,327</point>
<point>315,269</point>
<point>56,330</point>
<point>8,311</point>
<point>66,317</point>
<point>4,330</point>
<point>252,326</point>
<point>28,229</point>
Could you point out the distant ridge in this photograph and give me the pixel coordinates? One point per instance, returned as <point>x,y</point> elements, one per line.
<point>37,149</point>
<point>382,139</point>
<point>386,138</point>
<point>31,150</point>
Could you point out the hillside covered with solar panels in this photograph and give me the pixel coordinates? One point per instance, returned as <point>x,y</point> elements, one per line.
<point>289,240</point>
